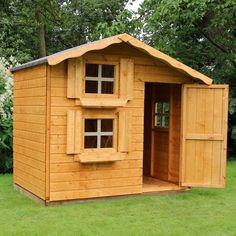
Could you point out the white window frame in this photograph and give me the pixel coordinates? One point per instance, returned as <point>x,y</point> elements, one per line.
<point>99,133</point>
<point>100,79</point>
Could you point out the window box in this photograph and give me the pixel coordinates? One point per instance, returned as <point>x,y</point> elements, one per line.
<point>101,102</point>
<point>99,155</point>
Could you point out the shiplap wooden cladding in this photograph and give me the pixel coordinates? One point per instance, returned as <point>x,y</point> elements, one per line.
<point>74,132</point>
<point>125,131</point>
<point>204,140</point>
<point>126,78</point>
<point>50,105</point>
<point>75,77</point>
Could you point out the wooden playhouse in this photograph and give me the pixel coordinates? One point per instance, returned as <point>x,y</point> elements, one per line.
<point>116,117</point>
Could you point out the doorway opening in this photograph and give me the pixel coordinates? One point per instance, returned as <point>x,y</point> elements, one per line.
<point>162,122</point>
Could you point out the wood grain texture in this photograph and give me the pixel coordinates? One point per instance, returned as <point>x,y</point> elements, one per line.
<point>47,134</point>
<point>174,134</point>
<point>160,136</point>
<point>126,78</point>
<point>162,146</point>
<point>75,73</point>
<point>65,168</point>
<point>29,129</point>
<point>43,132</point>
<point>125,38</point>
<point>203,155</point>
<point>125,129</point>
<point>147,130</point>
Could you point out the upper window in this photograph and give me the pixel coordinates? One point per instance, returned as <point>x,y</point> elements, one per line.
<point>161,113</point>
<point>99,78</point>
<point>98,133</point>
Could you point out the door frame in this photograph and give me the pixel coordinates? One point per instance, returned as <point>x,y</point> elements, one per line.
<point>174,98</point>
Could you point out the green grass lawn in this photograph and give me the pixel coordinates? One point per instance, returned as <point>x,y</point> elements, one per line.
<point>199,212</point>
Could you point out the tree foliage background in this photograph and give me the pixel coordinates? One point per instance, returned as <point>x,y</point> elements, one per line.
<point>200,33</point>
<point>32,28</point>
<point>6,109</point>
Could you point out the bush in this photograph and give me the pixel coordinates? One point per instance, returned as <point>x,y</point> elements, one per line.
<point>232,125</point>
<point>6,121</point>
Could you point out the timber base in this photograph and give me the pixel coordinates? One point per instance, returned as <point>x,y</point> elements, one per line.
<point>151,187</point>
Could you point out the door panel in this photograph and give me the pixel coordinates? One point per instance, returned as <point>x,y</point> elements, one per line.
<point>204,135</point>
<point>160,132</point>
<point>160,154</point>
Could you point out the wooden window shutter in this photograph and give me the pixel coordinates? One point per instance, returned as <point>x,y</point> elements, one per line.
<point>126,78</point>
<point>74,132</point>
<point>124,131</point>
<point>74,77</point>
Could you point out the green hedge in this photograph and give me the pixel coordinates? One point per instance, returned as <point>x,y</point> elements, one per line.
<point>6,110</point>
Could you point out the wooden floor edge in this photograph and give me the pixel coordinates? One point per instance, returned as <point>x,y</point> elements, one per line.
<point>119,197</point>
<point>81,201</point>
<point>29,195</point>
<point>166,192</point>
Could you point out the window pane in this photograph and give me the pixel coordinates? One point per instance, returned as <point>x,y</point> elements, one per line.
<point>158,107</point>
<point>166,121</point>
<point>106,141</point>
<point>90,142</point>
<point>107,125</point>
<point>166,107</point>
<point>108,71</point>
<point>91,86</point>
<point>91,70</point>
<point>158,121</point>
<point>107,87</point>
<point>90,125</point>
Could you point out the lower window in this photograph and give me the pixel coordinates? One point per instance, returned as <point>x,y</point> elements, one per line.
<point>98,133</point>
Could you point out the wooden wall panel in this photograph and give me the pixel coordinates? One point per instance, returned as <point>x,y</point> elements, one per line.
<point>29,129</point>
<point>72,180</point>
<point>122,177</point>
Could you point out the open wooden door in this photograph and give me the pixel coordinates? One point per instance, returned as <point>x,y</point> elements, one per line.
<point>204,135</point>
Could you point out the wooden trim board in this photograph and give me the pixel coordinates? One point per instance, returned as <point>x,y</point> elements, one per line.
<point>76,201</point>
<point>47,135</point>
<point>101,44</point>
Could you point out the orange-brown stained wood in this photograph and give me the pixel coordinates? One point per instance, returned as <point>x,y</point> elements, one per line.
<point>30,129</point>
<point>174,135</point>
<point>41,163</point>
<point>203,156</point>
<point>147,130</point>
<point>160,136</point>
<point>101,44</point>
<point>66,165</point>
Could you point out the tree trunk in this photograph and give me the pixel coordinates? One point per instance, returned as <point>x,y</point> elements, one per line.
<point>40,29</point>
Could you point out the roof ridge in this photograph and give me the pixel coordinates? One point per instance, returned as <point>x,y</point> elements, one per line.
<point>103,43</point>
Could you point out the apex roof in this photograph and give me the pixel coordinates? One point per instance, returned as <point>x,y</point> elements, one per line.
<point>103,43</point>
